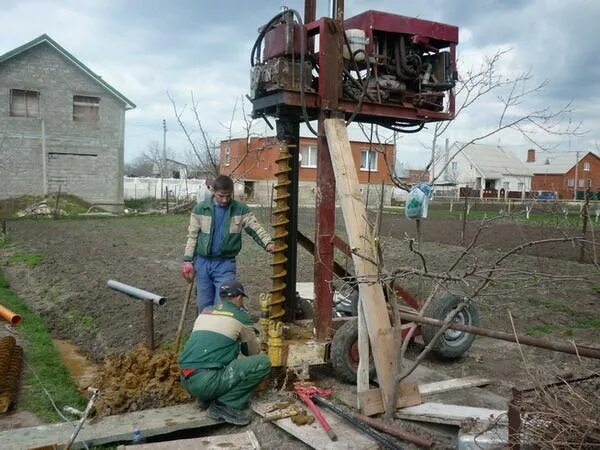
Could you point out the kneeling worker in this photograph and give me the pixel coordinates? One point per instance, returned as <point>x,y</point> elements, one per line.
<point>210,368</point>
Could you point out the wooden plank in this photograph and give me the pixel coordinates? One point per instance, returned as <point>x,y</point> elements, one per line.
<point>236,441</point>
<point>453,384</point>
<point>450,414</point>
<point>371,401</point>
<point>314,435</point>
<point>119,428</point>
<point>363,252</point>
<point>362,374</point>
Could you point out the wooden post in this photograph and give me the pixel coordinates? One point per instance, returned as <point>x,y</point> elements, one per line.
<point>364,255</point>
<point>585,214</point>
<point>57,201</point>
<point>362,374</point>
<point>149,323</point>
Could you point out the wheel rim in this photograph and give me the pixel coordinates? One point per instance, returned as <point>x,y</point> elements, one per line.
<point>457,337</point>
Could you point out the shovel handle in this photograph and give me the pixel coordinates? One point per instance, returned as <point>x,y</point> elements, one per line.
<point>186,302</point>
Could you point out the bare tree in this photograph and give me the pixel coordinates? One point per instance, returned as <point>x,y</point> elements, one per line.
<point>512,94</point>
<point>205,150</point>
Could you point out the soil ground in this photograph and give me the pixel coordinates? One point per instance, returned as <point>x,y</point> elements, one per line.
<point>547,292</point>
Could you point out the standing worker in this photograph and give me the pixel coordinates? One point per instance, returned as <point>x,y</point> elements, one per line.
<point>210,368</point>
<point>215,239</point>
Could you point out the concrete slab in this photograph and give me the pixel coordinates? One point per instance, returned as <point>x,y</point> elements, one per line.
<point>117,428</point>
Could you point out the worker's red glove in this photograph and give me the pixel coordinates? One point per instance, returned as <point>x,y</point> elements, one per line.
<point>187,271</point>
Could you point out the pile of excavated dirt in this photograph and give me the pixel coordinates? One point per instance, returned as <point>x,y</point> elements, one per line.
<point>139,380</point>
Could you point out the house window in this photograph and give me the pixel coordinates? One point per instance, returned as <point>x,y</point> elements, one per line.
<point>454,166</point>
<point>227,154</point>
<point>581,183</point>
<point>24,103</point>
<point>86,109</point>
<point>521,187</point>
<point>571,182</point>
<point>586,166</point>
<point>368,160</point>
<point>506,186</point>
<point>308,156</point>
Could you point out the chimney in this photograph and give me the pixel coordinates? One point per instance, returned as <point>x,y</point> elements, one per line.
<point>531,155</point>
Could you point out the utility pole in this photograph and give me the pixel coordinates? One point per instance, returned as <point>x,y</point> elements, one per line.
<point>164,155</point>
<point>163,165</point>
<point>576,175</point>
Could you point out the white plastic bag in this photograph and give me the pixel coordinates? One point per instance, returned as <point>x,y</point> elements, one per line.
<point>417,202</point>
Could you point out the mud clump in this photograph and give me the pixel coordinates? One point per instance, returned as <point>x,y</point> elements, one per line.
<point>138,380</point>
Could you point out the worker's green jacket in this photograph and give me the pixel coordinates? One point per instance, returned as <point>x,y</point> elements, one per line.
<point>237,217</point>
<point>220,333</point>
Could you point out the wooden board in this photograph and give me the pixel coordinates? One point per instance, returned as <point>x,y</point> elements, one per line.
<point>371,402</point>
<point>450,414</point>
<point>453,384</point>
<point>237,441</point>
<point>363,253</point>
<point>314,435</point>
<point>117,428</point>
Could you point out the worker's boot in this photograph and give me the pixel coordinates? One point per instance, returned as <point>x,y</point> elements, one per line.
<point>202,404</point>
<point>217,411</point>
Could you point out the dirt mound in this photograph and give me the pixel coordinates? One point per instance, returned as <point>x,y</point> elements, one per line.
<point>139,380</point>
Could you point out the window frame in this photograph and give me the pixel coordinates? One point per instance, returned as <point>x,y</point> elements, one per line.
<point>84,117</point>
<point>586,166</point>
<point>26,97</point>
<point>227,154</point>
<point>368,152</point>
<point>311,151</point>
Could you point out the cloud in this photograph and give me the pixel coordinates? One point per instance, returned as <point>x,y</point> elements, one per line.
<point>146,48</point>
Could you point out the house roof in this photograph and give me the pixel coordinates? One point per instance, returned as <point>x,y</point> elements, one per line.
<point>45,39</point>
<point>556,162</point>
<point>493,161</point>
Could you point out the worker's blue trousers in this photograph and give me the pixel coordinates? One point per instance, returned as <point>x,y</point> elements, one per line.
<point>210,274</point>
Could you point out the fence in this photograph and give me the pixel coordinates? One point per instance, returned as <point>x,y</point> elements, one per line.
<point>145,187</point>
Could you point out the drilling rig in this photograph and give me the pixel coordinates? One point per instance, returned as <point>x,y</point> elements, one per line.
<point>376,68</point>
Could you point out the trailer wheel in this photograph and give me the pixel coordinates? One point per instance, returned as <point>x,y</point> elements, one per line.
<point>344,352</point>
<point>453,343</point>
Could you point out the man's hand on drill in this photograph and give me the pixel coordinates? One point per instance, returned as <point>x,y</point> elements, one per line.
<point>270,248</point>
<point>187,271</point>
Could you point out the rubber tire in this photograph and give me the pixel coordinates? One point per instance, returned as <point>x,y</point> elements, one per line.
<point>453,343</point>
<point>343,339</point>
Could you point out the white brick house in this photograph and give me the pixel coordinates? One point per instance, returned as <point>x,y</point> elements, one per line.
<point>61,126</point>
<point>490,170</point>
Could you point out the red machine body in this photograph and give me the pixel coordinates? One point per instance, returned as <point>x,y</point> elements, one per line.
<point>400,74</point>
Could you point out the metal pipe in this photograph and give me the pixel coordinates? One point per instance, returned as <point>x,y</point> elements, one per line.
<point>384,440</point>
<point>394,431</point>
<point>572,349</point>
<point>136,293</point>
<point>149,324</point>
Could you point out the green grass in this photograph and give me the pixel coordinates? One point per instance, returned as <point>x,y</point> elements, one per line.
<point>542,329</point>
<point>41,358</point>
<point>29,259</point>
<point>556,306</point>
<point>589,323</point>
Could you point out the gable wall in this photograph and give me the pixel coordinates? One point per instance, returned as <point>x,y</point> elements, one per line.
<point>93,169</point>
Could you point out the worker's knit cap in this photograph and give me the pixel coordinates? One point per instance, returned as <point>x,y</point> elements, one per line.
<point>232,288</point>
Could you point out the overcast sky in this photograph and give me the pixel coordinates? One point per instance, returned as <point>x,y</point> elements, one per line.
<point>146,48</point>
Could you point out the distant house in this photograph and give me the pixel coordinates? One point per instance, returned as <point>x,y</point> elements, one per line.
<point>61,126</point>
<point>254,162</point>
<point>489,171</point>
<point>565,174</point>
<point>174,169</point>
